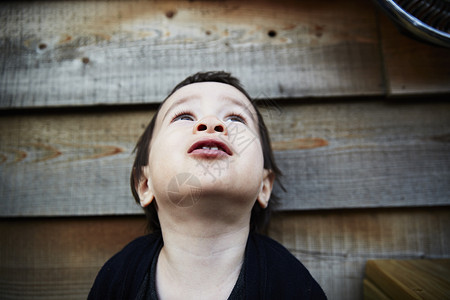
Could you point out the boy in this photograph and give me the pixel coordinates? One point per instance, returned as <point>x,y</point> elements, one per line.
<point>203,173</point>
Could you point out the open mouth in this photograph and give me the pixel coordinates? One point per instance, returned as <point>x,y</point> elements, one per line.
<point>210,147</point>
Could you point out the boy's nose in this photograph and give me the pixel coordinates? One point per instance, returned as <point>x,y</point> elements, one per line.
<point>210,124</point>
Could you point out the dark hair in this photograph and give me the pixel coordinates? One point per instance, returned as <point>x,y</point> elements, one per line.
<point>259,216</point>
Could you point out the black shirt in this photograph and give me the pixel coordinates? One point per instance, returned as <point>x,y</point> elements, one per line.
<point>269,272</point>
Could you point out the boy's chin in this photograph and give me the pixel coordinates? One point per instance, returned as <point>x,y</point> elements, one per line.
<point>210,198</point>
<point>198,188</point>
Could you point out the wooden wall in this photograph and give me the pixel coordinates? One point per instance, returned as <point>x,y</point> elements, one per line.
<point>357,112</point>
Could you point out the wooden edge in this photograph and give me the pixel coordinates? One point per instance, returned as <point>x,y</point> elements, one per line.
<point>372,292</point>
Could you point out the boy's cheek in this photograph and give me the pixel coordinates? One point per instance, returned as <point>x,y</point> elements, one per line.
<point>241,138</point>
<point>247,147</point>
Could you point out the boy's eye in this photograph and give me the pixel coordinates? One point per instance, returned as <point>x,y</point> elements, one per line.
<point>236,118</point>
<point>183,117</point>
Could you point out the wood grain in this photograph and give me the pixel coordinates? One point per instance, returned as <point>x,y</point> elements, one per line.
<point>58,258</point>
<point>79,53</point>
<point>335,245</point>
<point>411,279</point>
<point>339,155</point>
<point>412,67</point>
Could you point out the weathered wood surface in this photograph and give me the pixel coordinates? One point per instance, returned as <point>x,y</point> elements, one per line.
<point>410,279</point>
<point>335,245</point>
<point>58,258</point>
<point>339,155</point>
<point>76,53</point>
<point>412,67</point>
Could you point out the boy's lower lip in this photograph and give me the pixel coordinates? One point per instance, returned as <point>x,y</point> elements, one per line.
<point>208,153</point>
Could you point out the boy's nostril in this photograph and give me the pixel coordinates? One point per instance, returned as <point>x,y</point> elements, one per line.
<point>218,128</point>
<point>201,127</point>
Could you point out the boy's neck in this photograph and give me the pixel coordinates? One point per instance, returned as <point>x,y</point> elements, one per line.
<point>200,264</point>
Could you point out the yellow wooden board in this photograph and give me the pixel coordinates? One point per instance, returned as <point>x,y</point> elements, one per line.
<point>411,279</point>
<point>372,292</point>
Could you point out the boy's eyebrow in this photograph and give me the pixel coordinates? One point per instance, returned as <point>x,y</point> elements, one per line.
<point>228,98</point>
<point>242,105</point>
<point>178,102</point>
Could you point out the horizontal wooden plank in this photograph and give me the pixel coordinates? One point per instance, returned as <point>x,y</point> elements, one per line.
<point>338,155</point>
<point>412,67</point>
<point>335,245</point>
<point>58,258</point>
<point>411,279</point>
<point>76,53</point>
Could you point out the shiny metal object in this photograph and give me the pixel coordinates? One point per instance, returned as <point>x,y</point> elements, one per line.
<point>425,20</point>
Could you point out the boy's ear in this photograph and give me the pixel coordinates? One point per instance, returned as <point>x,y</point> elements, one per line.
<point>144,188</point>
<point>266,188</point>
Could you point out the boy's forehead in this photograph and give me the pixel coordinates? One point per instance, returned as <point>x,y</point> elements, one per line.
<point>214,90</point>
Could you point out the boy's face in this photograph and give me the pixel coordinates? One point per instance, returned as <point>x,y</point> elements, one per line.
<point>207,132</point>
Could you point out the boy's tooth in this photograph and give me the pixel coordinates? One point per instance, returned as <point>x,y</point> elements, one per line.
<point>210,148</point>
